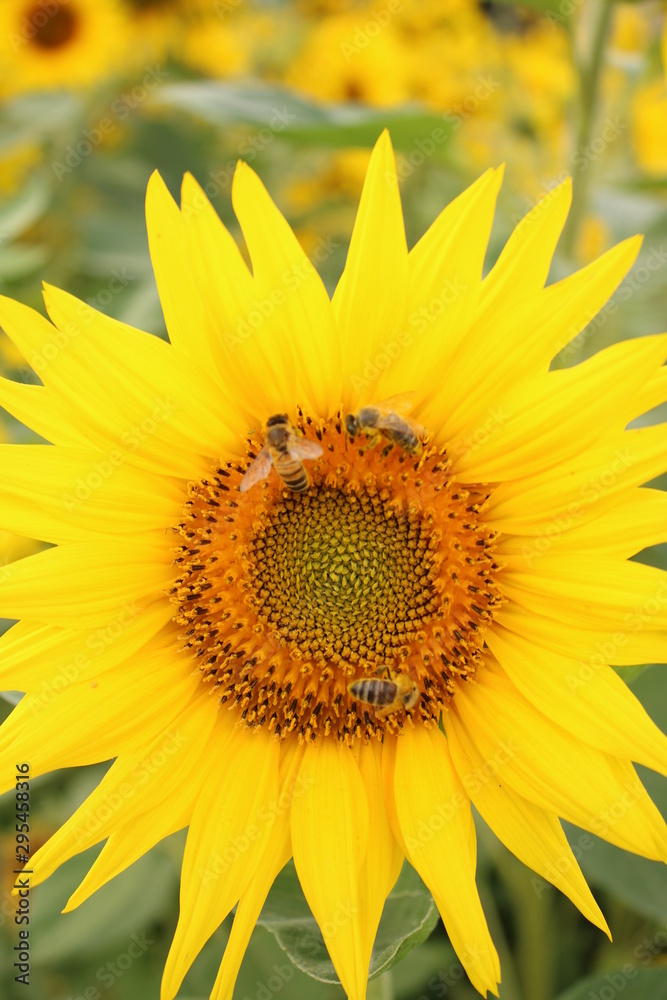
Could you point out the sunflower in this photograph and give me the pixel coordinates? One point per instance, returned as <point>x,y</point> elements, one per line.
<point>485,577</point>
<point>45,44</point>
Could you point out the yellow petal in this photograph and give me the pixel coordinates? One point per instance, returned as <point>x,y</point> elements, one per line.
<point>44,659</point>
<point>433,812</point>
<point>92,721</point>
<point>36,407</point>
<point>384,859</point>
<point>590,701</point>
<point>230,828</point>
<point>93,490</point>
<point>524,263</point>
<point>298,329</point>
<point>559,773</point>
<point>228,297</point>
<point>622,648</point>
<point>63,586</point>
<point>576,491</point>
<point>273,860</point>
<point>157,782</point>
<point>532,834</point>
<point>445,275</point>
<point>524,341</point>
<point>551,418</point>
<point>584,590</point>
<point>330,821</point>
<point>371,298</point>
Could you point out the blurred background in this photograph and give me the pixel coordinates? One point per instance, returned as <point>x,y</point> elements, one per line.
<point>95,95</point>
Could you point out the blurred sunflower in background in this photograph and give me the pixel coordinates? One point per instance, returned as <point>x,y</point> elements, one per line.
<point>259,623</point>
<point>51,45</point>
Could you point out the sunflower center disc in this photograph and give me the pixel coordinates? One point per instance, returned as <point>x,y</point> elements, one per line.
<point>54,30</point>
<point>288,597</point>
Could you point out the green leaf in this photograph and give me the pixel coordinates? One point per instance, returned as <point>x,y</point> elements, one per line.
<point>105,924</point>
<point>630,983</point>
<point>19,213</point>
<point>277,111</point>
<point>637,882</point>
<point>13,697</point>
<point>408,918</point>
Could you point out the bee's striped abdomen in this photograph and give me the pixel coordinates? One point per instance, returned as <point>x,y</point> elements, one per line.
<point>293,474</point>
<point>372,691</point>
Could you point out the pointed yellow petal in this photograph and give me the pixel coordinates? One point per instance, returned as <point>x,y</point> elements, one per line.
<point>230,828</point>
<point>228,298</point>
<point>585,590</point>
<point>159,781</point>
<point>532,834</point>
<point>445,275</point>
<point>92,490</point>
<point>273,860</point>
<point>524,342</point>
<point>523,266</point>
<point>434,814</point>
<point>298,313</point>
<point>44,659</point>
<point>553,417</point>
<point>623,649</point>
<point>63,586</point>
<point>36,407</point>
<point>89,721</point>
<point>384,860</point>
<point>559,773</point>
<point>590,701</point>
<point>330,820</point>
<point>574,493</point>
<point>371,298</point>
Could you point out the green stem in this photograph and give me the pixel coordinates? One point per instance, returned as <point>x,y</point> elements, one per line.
<point>589,66</point>
<point>535,932</point>
<point>381,988</point>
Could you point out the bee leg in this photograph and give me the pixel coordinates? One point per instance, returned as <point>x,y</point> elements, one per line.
<point>387,448</point>
<point>382,670</point>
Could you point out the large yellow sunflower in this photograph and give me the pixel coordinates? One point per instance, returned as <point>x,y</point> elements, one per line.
<point>220,629</point>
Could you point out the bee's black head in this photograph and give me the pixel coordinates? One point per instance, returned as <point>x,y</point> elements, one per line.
<point>351,424</point>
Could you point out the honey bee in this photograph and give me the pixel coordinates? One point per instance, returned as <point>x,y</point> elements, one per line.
<point>284,448</point>
<point>387,420</point>
<point>385,694</point>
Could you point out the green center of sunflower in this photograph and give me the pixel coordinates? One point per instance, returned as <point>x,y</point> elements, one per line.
<point>382,571</point>
<point>53,29</point>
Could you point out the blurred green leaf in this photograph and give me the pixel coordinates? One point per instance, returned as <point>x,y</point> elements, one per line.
<point>13,697</point>
<point>640,884</point>
<point>19,213</point>
<point>17,260</point>
<point>277,111</point>
<point>105,923</point>
<point>631,982</point>
<point>408,918</point>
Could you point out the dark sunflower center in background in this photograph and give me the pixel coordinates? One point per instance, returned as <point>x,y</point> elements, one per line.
<point>52,29</point>
<point>384,567</point>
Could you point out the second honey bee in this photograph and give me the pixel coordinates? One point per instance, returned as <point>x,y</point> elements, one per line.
<point>284,449</point>
<point>387,420</point>
<point>385,694</point>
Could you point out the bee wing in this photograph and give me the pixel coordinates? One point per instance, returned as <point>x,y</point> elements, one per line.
<point>258,470</point>
<point>299,448</point>
<point>392,422</point>
<point>402,403</point>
